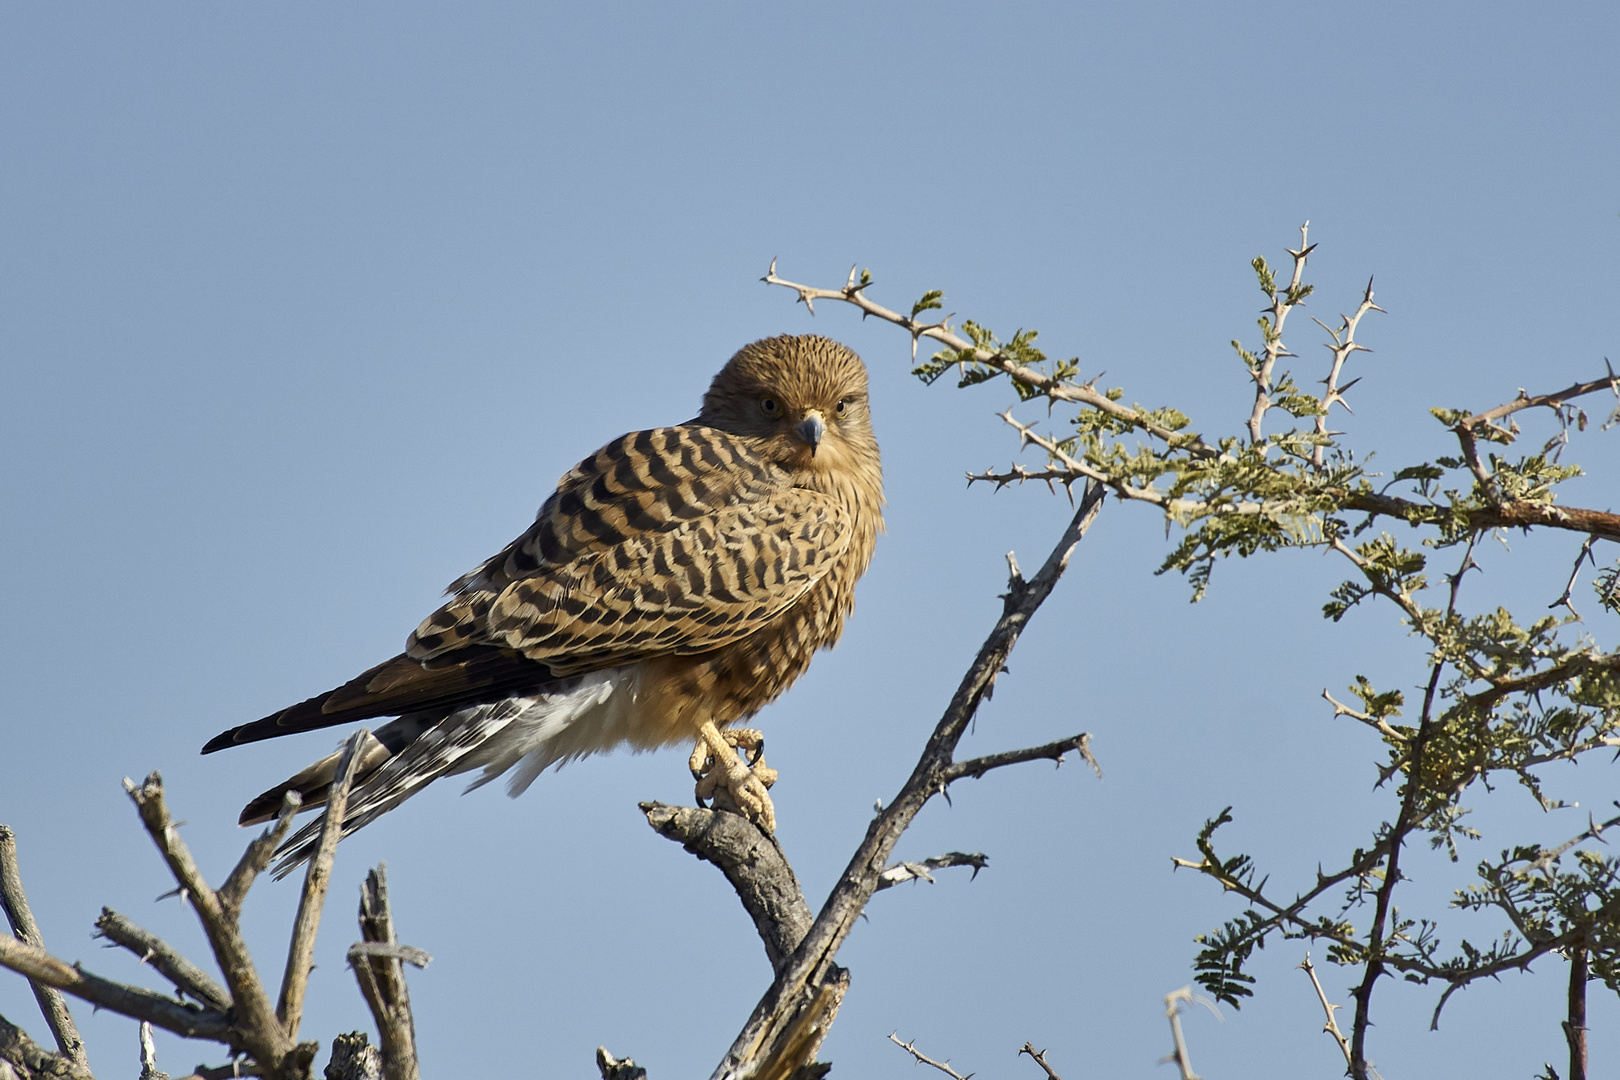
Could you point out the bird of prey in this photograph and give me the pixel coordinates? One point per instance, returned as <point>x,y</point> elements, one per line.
<point>677,581</point>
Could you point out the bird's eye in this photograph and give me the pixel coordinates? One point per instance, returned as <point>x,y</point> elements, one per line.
<point>843,406</point>
<point>770,406</point>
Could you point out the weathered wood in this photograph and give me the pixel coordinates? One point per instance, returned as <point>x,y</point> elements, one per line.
<point>15,901</point>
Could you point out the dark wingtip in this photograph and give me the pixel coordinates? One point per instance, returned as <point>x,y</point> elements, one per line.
<point>221,741</point>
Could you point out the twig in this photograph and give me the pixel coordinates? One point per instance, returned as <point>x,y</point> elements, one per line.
<point>295,979</point>
<point>902,872</point>
<point>182,1018</point>
<point>51,1003</point>
<point>1039,1057</point>
<point>260,1032</point>
<point>1056,389</point>
<point>752,861</point>
<point>1332,1025</point>
<point>382,979</point>
<point>1574,572</point>
<point>1174,1002</point>
<point>1053,751</point>
<point>613,1068</point>
<point>149,1069</point>
<point>804,978</point>
<point>924,1059</point>
<point>154,950</point>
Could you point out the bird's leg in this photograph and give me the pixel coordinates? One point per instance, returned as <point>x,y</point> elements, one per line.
<point>720,770</point>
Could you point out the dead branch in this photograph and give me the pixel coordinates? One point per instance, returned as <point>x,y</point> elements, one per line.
<point>1039,1057</point>
<point>382,978</point>
<point>151,949</point>
<point>15,901</point>
<point>24,1059</point>
<point>752,861</point>
<point>149,1069</point>
<point>261,1033</point>
<point>1332,1025</point>
<point>808,977</point>
<point>1054,751</point>
<point>924,1059</point>
<point>613,1068</point>
<point>300,953</point>
<point>902,872</point>
<point>1174,1003</point>
<point>182,1018</point>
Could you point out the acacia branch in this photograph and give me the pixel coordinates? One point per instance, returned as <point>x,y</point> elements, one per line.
<point>51,1003</point>
<point>1039,1057</point>
<point>1052,751</point>
<point>967,351</point>
<point>923,870</point>
<point>924,1059</point>
<point>805,978</point>
<point>1331,1027</point>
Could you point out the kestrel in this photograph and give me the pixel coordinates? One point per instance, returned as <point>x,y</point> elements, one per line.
<point>677,581</point>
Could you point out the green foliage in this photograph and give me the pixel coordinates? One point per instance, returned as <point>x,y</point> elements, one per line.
<point>1505,696</point>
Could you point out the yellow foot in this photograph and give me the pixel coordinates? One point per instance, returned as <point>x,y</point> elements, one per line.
<point>732,781</point>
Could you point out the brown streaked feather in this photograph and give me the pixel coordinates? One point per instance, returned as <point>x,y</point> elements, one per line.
<point>672,541</point>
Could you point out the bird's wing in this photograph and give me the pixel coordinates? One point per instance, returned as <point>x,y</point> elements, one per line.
<point>671,541</point>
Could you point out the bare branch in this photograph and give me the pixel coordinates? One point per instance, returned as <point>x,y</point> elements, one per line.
<point>902,872</point>
<point>382,979</point>
<point>1039,1057</point>
<point>924,1059</point>
<point>1332,1025</point>
<point>809,976</point>
<point>1551,401</point>
<point>300,952</point>
<point>1174,1002</point>
<point>182,1018</point>
<point>15,901</point>
<point>152,949</point>
<point>613,1068</point>
<point>149,1069</point>
<point>260,1032</point>
<point>752,861</point>
<point>24,1059</point>
<point>1053,751</point>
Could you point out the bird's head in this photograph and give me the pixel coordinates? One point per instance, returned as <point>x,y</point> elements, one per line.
<point>804,398</point>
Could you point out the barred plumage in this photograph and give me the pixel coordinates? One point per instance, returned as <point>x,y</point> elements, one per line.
<point>678,580</point>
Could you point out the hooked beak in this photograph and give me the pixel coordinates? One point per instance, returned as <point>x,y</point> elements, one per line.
<point>811,429</point>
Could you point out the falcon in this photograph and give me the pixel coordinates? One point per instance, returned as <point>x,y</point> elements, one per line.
<point>676,582</point>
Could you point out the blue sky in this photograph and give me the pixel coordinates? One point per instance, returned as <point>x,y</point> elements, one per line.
<point>303,310</point>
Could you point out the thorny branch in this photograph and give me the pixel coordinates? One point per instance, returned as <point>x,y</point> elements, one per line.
<point>1039,1057</point>
<point>924,1059</point>
<point>786,1015</point>
<point>1331,1027</point>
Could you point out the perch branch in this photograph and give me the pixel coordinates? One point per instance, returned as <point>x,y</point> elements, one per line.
<point>300,952</point>
<point>804,978</point>
<point>51,1003</point>
<point>152,949</point>
<point>752,861</point>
